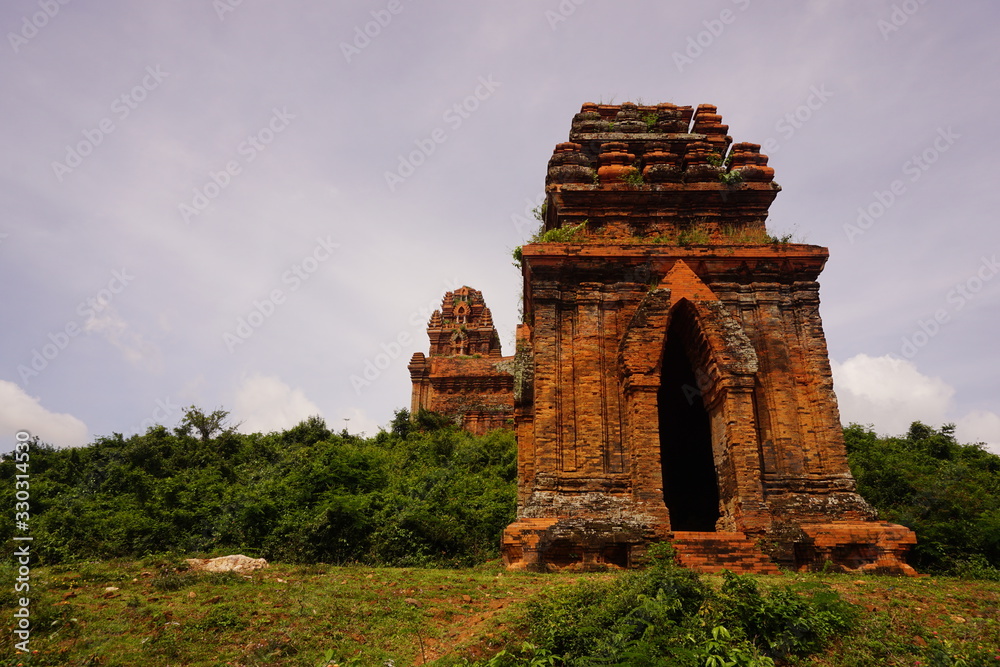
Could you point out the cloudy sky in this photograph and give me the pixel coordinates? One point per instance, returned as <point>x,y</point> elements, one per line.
<point>255,205</point>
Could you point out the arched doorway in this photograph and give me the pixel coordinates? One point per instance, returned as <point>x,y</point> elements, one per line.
<point>690,482</point>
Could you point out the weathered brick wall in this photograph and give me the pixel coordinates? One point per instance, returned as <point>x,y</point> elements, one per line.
<point>681,249</point>
<point>465,376</point>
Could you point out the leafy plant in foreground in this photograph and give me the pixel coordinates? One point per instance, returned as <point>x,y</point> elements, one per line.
<point>665,615</point>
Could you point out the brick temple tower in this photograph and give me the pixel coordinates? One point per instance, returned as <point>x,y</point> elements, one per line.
<point>465,375</point>
<point>672,371</point>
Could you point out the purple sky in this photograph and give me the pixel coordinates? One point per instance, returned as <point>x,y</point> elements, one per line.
<point>204,202</point>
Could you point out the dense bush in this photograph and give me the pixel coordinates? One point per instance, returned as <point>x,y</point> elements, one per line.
<point>421,494</point>
<point>668,616</point>
<point>948,493</point>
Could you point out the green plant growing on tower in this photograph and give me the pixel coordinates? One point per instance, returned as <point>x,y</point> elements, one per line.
<point>562,234</point>
<point>780,240</point>
<point>730,178</point>
<point>695,235</point>
<point>517,254</point>
<point>539,211</point>
<point>557,235</point>
<point>745,235</point>
<point>633,178</point>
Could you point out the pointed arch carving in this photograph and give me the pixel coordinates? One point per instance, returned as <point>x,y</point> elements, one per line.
<point>719,348</point>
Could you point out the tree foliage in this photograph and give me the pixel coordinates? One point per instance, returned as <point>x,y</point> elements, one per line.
<point>948,493</point>
<point>205,425</point>
<point>423,494</point>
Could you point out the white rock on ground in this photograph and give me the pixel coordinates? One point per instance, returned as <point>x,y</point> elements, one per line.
<point>236,563</point>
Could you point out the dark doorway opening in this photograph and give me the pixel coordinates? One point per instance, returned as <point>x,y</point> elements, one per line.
<point>690,483</point>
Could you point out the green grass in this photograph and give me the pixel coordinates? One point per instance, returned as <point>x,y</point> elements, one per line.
<point>300,614</point>
<point>907,620</point>
<point>284,615</point>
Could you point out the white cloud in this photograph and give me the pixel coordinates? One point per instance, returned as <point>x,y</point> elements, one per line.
<point>890,393</point>
<point>266,404</point>
<point>980,426</point>
<point>21,412</point>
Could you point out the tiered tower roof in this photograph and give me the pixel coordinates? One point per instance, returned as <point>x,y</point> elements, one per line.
<point>463,326</point>
<point>652,171</point>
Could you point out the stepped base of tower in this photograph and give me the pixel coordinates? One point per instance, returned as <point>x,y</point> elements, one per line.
<point>590,544</point>
<point>876,547</point>
<point>715,552</point>
<point>582,544</point>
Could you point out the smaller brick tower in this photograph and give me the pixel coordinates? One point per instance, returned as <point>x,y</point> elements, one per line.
<point>465,375</point>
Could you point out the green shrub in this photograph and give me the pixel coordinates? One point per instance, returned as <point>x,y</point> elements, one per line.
<point>221,617</point>
<point>639,612</point>
<point>975,567</point>
<point>425,493</point>
<point>784,622</point>
<point>666,615</point>
<point>948,493</point>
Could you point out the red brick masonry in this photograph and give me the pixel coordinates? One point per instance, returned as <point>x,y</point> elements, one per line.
<point>465,376</point>
<point>671,380</point>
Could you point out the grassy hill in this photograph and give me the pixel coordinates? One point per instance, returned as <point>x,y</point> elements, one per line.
<point>361,529</point>
<point>125,613</point>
